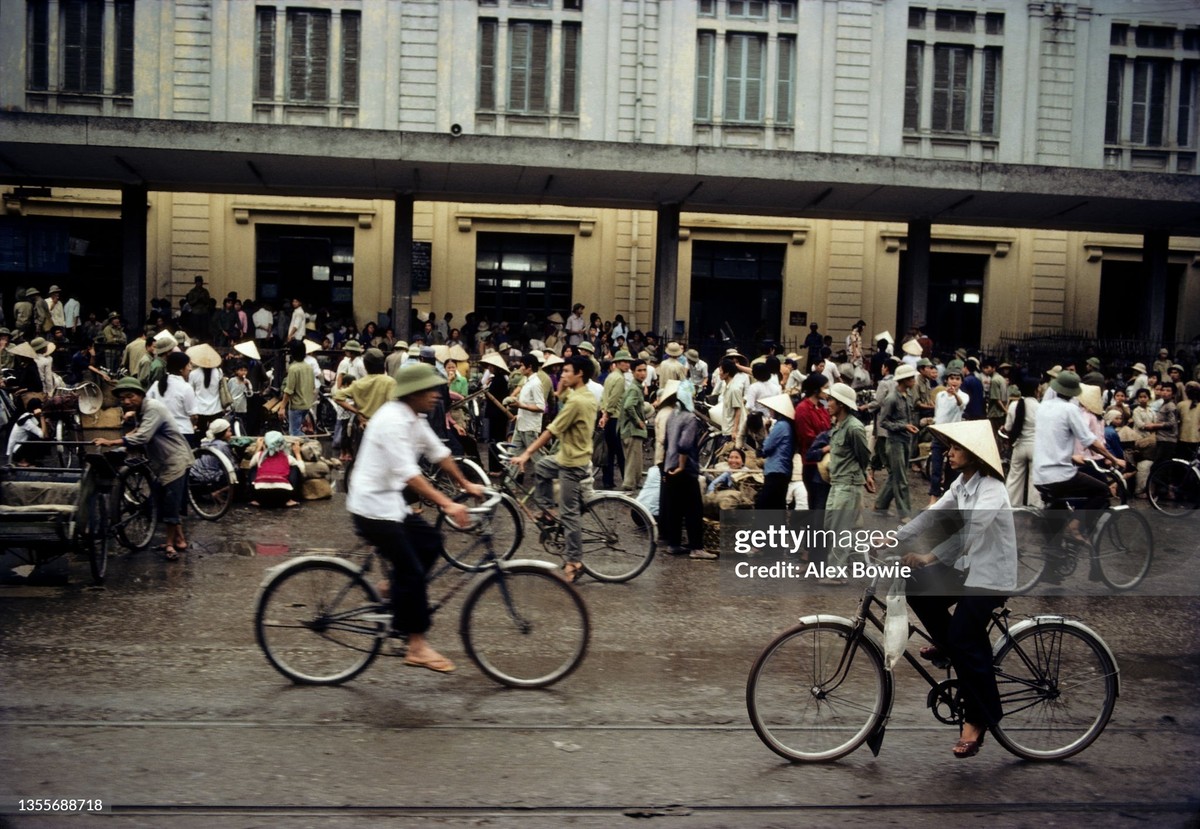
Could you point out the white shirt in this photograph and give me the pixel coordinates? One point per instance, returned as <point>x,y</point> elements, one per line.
<point>71,313</point>
<point>1059,424</point>
<point>208,398</point>
<point>948,408</point>
<point>1029,428</point>
<point>45,370</point>
<point>757,391</point>
<point>596,389</point>
<point>262,323</point>
<point>986,545</point>
<point>179,399</point>
<point>26,428</point>
<point>395,440</point>
<point>316,367</point>
<point>531,395</point>
<point>298,325</point>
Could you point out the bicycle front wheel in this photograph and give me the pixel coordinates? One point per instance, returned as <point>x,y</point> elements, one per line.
<point>618,538</point>
<point>1124,547</point>
<point>811,698</point>
<point>134,509</point>
<point>1174,488</point>
<point>525,627</point>
<point>1058,687</point>
<point>320,623</point>
<point>465,548</point>
<point>1032,541</point>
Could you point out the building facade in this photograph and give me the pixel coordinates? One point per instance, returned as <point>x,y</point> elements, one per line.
<point>1106,87</point>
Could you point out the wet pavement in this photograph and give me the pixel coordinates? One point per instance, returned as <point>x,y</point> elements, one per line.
<point>152,694</point>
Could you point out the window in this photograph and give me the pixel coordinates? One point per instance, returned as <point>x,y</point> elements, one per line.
<point>528,46</point>
<point>523,273</point>
<point>520,53</point>
<point>746,9</point>
<point>952,84</point>
<point>93,37</point>
<point>313,73</point>
<point>1118,35</point>
<point>786,82</point>
<point>1145,93</point>
<point>744,66</point>
<point>706,8</point>
<point>787,11</point>
<point>308,56</point>
<point>916,18</point>
<point>706,58</point>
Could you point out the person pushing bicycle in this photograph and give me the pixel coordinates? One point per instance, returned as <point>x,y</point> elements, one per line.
<point>974,568</point>
<point>572,465</point>
<point>397,436</point>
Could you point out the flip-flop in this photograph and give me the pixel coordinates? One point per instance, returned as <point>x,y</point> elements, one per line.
<point>170,553</point>
<point>441,664</point>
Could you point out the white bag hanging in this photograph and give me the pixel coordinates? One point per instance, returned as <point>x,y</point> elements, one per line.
<point>895,625</point>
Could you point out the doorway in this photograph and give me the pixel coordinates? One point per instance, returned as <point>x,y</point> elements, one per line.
<point>737,291</point>
<point>1123,295</point>
<point>315,264</point>
<point>517,274</point>
<point>954,302</point>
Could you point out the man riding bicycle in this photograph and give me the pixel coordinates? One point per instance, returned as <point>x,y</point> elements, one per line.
<point>397,436</point>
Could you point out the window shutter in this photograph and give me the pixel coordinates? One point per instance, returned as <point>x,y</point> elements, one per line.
<point>785,86</point>
<point>990,97</point>
<point>735,57</point>
<point>38,35</point>
<point>318,77</point>
<point>941,88</point>
<point>1112,116</point>
<point>519,37</point>
<point>1187,104</point>
<point>487,65</point>
<point>93,47</point>
<point>1157,111</point>
<point>124,32</point>
<point>755,64</point>
<point>705,47</point>
<point>350,45</point>
<point>1137,120</point>
<point>569,103</point>
<point>539,66</point>
<point>72,38</point>
<point>264,62</point>
<point>912,86</point>
<point>297,56</point>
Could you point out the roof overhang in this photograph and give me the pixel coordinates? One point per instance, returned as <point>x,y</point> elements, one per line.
<point>200,156</point>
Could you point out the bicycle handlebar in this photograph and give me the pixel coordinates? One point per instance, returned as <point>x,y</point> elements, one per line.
<point>488,505</point>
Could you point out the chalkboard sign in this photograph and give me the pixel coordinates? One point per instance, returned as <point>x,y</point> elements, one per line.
<point>798,318</point>
<point>422,259</point>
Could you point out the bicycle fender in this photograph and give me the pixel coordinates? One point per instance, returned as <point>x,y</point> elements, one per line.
<point>827,618</point>
<point>516,563</point>
<point>1037,621</point>
<point>274,572</point>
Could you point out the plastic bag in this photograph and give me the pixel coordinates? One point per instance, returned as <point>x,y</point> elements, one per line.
<point>895,625</point>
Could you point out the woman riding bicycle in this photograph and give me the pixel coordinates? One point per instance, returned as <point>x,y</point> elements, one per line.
<point>973,567</point>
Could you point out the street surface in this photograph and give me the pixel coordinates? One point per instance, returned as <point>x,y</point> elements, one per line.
<point>151,694</point>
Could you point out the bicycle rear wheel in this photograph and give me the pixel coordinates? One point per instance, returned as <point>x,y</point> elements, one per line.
<point>618,538</point>
<point>210,500</point>
<point>1174,488</point>
<point>464,548</point>
<point>1032,541</point>
<point>133,508</point>
<point>811,701</point>
<point>1124,547</point>
<point>525,627</point>
<point>1058,687</point>
<point>320,623</point>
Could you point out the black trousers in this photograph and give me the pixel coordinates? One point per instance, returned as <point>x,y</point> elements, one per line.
<point>680,505</point>
<point>615,455</point>
<point>412,547</point>
<point>773,494</point>
<point>961,635</point>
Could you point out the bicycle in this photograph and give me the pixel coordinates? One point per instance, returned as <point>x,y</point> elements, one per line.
<point>320,621</point>
<point>819,690</point>
<point>1174,486</point>
<point>617,531</point>
<point>210,496</point>
<point>1120,547</point>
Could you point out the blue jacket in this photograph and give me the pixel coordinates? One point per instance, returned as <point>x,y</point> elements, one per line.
<point>778,448</point>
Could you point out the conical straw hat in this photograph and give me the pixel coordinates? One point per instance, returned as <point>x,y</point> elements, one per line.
<point>781,404</point>
<point>204,356</point>
<point>248,349</point>
<point>977,438</point>
<point>496,362</point>
<point>1091,398</point>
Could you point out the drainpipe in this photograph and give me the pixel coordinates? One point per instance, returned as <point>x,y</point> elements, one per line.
<point>641,62</point>
<point>635,246</point>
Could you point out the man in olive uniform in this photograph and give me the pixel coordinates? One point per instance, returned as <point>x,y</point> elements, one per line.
<point>23,315</point>
<point>610,411</point>
<point>6,359</point>
<point>42,323</point>
<point>997,395</point>
<point>1094,376</point>
<point>131,357</point>
<point>896,416</point>
<point>201,306</point>
<point>113,333</point>
<point>849,459</point>
<point>632,428</point>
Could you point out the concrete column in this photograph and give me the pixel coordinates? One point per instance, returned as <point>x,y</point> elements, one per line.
<point>1155,247</point>
<point>134,210</point>
<point>402,290</point>
<point>666,269</point>
<point>913,302</point>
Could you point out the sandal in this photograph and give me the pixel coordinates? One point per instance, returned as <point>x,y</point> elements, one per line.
<point>968,748</point>
<point>170,553</point>
<point>438,663</point>
<point>572,571</point>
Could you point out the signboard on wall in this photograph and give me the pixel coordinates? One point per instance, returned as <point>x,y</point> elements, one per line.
<point>422,261</point>
<point>798,318</point>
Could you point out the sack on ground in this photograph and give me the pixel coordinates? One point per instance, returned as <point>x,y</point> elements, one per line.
<point>316,489</point>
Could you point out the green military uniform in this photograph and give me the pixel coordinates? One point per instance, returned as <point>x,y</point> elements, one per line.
<point>632,428</point>
<point>849,455</point>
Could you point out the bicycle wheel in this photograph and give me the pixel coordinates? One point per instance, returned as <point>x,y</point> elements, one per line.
<point>320,623</point>
<point>326,416</point>
<point>464,548</point>
<point>525,627</point>
<point>67,456</point>
<point>1124,547</point>
<point>618,538</point>
<point>210,500</point>
<point>809,700</point>
<point>134,509</point>
<point>1057,687</point>
<point>1174,488</point>
<point>95,539</point>
<point>1031,534</point>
